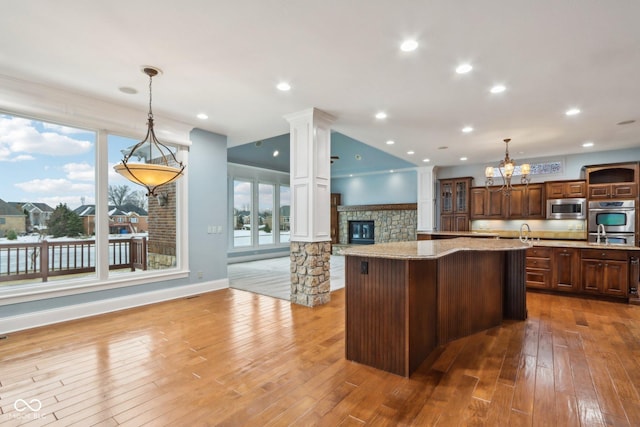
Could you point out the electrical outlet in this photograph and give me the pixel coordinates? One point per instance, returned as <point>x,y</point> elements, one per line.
<point>364,267</point>
<point>199,274</point>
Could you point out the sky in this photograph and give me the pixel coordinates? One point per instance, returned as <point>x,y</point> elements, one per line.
<point>53,164</point>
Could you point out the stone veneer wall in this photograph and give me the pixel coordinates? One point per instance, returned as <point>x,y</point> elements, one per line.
<point>393,223</point>
<point>310,273</point>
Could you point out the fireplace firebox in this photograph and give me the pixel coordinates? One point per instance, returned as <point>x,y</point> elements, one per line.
<point>361,232</point>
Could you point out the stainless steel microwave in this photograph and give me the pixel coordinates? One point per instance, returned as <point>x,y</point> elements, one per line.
<point>575,208</point>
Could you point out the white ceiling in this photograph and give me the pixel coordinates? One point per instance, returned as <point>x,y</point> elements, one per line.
<point>224,58</point>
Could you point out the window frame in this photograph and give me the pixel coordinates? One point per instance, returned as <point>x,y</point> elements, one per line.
<point>255,176</point>
<point>13,294</point>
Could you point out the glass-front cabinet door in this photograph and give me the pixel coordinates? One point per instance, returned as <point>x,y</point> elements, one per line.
<point>446,197</point>
<point>462,190</point>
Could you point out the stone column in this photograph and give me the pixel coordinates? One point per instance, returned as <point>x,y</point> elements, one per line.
<point>310,177</point>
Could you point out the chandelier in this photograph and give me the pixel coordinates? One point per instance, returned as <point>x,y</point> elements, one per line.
<point>508,165</point>
<point>156,164</point>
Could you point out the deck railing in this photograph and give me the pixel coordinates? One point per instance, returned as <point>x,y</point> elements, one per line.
<point>21,261</point>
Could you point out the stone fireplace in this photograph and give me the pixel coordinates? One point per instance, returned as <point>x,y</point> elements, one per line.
<point>391,222</point>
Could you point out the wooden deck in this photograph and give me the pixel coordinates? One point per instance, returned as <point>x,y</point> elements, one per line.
<point>234,358</point>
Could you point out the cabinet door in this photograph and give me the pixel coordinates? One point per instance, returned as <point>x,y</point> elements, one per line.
<point>535,202</point>
<point>515,203</point>
<point>478,206</point>
<point>461,190</point>
<point>555,190</point>
<point>620,191</point>
<point>599,191</point>
<point>575,189</point>
<point>446,197</point>
<point>495,204</point>
<point>615,277</point>
<point>461,223</point>
<point>591,275</point>
<point>566,269</point>
<point>446,223</point>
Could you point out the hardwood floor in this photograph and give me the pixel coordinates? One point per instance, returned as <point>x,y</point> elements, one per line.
<point>233,358</point>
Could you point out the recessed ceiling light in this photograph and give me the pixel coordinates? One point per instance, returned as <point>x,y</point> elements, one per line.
<point>572,112</point>
<point>467,129</point>
<point>588,144</point>
<point>390,142</point>
<point>464,68</point>
<point>275,153</point>
<point>410,152</point>
<point>381,115</point>
<point>409,45</point>
<point>358,157</point>
<point>426,160</point>
<point>391,171</point>
<point>128,90</point>
<point>463,158</point>
<point>202,116</point>
<point>498,89</point>
<point>350,174</point>
<point>283,86</point>
<point>626,122</point>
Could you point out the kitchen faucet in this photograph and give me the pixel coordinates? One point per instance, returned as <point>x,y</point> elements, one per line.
<point>604,234</point>
<point>524,237</point>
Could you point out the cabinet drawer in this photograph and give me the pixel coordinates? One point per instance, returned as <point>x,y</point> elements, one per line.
<point>538,279</point>
<point>542,263</point>
<point>604,254</point>
<point>539,252</point>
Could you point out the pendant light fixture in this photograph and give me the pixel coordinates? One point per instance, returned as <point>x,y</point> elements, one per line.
<point>508,165</point>
<point>156,163</point>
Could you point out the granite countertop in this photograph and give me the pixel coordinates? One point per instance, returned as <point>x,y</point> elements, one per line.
<point>462,233</point>
<point>432,249</point>
<point>582,245</point>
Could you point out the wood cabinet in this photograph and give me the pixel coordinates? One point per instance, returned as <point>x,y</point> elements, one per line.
<point>565,189</point>
<point>566,269</point>
<point>525,202</point>
<point>538,267</point>
<point>454,204</point>
<point>612,181</point>
<point>605,272</point>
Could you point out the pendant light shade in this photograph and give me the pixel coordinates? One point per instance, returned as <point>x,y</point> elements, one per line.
<point>156,163</point>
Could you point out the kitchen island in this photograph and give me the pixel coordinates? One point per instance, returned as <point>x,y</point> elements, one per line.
<point>404,299</point>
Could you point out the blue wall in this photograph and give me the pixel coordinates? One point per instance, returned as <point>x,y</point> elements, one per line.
<point>374,189</point>
<point>207,206</point>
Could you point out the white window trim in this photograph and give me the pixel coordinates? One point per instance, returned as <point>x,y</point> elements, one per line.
<point>255,176</point>
<point>13,294</point>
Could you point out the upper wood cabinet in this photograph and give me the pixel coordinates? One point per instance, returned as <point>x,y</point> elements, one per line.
<point>454,204</point>
<point>565,189</point>
<point>613,181</point>
<point>525,202</point>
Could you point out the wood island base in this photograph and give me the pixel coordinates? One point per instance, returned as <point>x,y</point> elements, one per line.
<point>399,310</point>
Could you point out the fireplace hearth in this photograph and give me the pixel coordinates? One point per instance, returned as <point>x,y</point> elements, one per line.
<point>361,232</point>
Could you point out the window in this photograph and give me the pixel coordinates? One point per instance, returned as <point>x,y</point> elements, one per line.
<point>261,203</point>
<point>53,167</point>
<point>242,196</point>
<point>285,213</point>
<point>265,214</point>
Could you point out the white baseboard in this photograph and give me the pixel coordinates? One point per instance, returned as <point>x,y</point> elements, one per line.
<point>78,311</point>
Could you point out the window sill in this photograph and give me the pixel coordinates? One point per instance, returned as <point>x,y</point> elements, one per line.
<point>14,294</point>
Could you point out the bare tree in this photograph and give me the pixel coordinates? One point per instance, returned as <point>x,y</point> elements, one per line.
<point>118,194</point>
<point>139,199</point>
